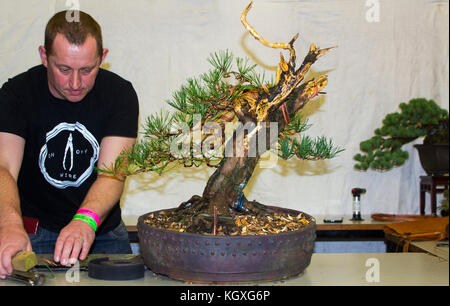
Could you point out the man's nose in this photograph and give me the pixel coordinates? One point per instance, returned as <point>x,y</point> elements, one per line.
<point>75,80</point>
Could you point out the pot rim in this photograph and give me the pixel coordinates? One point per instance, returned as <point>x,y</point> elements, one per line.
<point>312,224</point>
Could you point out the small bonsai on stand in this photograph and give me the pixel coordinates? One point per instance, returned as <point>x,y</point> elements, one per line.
<point>417,118</point>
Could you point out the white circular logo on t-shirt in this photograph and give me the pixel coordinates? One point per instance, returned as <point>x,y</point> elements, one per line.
<point>68,156</point>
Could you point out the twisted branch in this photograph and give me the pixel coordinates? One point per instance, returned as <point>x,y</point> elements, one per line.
<point>287,77</point>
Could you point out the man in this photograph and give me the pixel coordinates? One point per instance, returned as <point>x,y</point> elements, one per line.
<point>59,121</point>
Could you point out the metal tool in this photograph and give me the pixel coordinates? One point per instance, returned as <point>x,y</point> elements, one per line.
<point>57,268</point>
<point>28,277</point>
<point>22,264</point>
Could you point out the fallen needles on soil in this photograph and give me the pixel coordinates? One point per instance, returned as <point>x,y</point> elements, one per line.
<point>239,225</point>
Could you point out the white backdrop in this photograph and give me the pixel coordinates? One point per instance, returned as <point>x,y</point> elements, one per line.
<point>389,52</point>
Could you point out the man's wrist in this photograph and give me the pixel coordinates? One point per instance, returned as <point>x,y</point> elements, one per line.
<point>12,221</point>
<point>12,226</point>
<point>88,216</point>
<point>90,213</point>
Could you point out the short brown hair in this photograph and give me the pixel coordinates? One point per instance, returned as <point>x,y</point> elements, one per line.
<point>75,31</point>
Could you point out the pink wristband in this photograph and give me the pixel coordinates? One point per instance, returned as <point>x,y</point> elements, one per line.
<point>89,213</point>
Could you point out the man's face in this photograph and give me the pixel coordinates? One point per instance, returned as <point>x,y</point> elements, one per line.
<point>71,69</point>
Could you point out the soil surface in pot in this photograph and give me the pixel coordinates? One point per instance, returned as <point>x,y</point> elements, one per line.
<point>235,224</point>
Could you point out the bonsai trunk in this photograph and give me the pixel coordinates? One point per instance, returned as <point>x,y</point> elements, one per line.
<point>225,186</point>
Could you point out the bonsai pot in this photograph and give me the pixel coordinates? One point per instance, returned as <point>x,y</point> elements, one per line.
<point>226,259</point>
<point>434,158</point>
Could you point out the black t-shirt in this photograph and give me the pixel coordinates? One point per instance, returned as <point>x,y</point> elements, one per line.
<point>62,141</point>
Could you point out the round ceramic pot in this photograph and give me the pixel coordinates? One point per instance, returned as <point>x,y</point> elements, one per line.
<point>434,158</point>
<point>226,259</point>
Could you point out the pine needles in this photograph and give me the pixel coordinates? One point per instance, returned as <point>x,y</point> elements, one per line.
<point>210,98</point>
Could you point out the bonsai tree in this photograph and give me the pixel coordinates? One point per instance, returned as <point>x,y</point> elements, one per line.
<point>262,115</point>
<point>417,118</point>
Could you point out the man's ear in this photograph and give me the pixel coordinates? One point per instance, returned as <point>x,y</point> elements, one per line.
<point>43,55</point>
<point>105,53</point>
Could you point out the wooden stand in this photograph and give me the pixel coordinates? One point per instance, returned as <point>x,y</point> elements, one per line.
<point>430,183</point>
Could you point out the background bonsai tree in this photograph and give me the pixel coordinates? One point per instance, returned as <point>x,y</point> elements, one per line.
<point>265,116</point>
<point>417,118</point>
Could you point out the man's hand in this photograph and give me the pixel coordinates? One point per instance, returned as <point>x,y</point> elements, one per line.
<point>74,242</point>
<point>13,239</point>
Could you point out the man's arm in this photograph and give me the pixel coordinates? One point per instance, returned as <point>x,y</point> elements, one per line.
<point>75,240</point>
<point>13,237</point>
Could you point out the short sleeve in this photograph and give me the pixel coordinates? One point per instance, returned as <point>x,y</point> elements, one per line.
<point>123,113</point>
<point>12,110</point>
